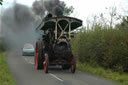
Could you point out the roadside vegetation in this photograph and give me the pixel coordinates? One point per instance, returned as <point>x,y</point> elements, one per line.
<point>102,49</point>
<point>105,73</point>
<point>5,75</point>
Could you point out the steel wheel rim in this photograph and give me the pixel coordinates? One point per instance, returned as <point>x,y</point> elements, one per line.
<point>44,63</point>
<point>72,64</point>
<point>36,60</point>
<point>36,56</point>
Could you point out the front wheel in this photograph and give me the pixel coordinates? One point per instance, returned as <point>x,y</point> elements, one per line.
<point>46,63</point>
<point>73,64</point>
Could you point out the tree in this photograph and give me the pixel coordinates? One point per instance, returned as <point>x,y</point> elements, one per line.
<point>124,24</point>
<point>68,10</point>
<point>1,2</point>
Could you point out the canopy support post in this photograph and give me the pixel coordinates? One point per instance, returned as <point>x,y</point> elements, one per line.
<point>56,30</point>
<point>69,30</point>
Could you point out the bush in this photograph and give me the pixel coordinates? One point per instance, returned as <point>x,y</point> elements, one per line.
<point>104,47</point>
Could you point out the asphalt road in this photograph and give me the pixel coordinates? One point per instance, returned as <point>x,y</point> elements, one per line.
<point>24,72</point>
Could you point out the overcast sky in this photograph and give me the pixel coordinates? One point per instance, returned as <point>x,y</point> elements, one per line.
<point>83,8</point>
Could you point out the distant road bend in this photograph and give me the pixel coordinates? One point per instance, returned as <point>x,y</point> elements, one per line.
<point>25,73</point>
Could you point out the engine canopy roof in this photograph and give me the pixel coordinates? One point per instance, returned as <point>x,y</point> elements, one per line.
<point>50,23</point>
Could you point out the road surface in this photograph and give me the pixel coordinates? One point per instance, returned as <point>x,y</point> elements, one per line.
<point>24,72</point>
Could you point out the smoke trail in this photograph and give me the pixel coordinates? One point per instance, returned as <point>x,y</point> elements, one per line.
<point>19,21</point>
<point>18,26</point>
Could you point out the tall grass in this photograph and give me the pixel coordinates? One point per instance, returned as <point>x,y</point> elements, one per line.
<point>2,48</point>
<point>5,75</point>
<point>105,73</point>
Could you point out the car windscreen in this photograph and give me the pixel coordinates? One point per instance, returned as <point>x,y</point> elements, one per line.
<point>28,46</point>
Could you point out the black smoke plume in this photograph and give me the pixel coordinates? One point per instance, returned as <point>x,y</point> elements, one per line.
<point>56,7</point>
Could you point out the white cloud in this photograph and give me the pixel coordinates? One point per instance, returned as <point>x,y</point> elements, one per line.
<point>26,2</point>
<point>83,8</point>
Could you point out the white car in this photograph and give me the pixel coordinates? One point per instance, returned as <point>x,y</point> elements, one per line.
<point>28,50</point>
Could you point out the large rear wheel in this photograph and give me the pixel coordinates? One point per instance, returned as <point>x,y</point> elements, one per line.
<point>38,57</point>
<point>73,64</point>
<point>46,63</point>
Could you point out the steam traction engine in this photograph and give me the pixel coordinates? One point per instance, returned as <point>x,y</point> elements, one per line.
<point>54,47</point>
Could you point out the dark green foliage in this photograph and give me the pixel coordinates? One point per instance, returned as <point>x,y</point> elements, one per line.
<point>124,24</point>
<point>1,2</point>
<point>68,10</point>
<point>103,47</point>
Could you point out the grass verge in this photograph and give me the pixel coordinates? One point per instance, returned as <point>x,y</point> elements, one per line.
<point>107,74</point>
<point>5,75</point>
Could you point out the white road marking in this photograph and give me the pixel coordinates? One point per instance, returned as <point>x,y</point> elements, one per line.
<point>56,77</point>
<point>31,62</point>
<point>28,60</point>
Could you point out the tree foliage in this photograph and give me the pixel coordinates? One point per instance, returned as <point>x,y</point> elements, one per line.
<point>1,2</point>
<point>124,24</point>
<point>103,46</point>
<point>68,10</point>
